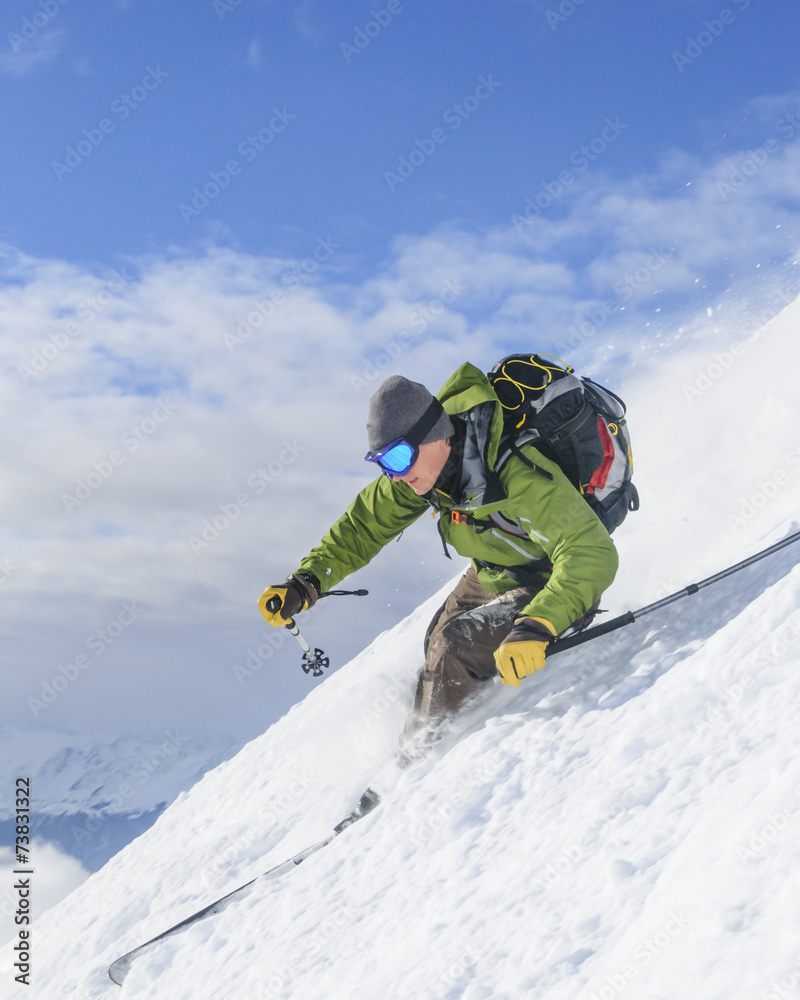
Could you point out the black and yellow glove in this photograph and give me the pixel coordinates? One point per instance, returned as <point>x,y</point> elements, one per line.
<point>522,651</point>
<point>299,593</point>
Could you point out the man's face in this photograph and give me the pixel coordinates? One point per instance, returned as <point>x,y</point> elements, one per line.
<point>422,475</point>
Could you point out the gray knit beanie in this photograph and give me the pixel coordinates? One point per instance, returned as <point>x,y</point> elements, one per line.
<point>396,407</point>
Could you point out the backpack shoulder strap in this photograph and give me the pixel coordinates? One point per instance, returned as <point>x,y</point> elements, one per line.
<point>513,448</point>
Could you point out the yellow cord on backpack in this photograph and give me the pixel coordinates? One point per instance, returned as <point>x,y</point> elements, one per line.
<point>521,386</point>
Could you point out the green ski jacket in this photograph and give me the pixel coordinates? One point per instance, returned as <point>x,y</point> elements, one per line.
<point>526,516</point>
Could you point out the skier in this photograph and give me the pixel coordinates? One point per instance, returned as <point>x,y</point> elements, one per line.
<point>541,557</point>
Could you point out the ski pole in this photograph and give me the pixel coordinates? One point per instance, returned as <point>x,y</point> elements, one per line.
<point>312,663</point>
<point>631,616</point>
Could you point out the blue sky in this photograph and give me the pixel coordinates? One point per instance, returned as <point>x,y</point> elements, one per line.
<point>622,189</point>
<point>183,86</point>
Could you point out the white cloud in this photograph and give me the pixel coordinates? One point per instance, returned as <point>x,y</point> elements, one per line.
<point>31,51</point>
<point>56,875</point>
<point>254,53</point>
<point>187,373</point>
<point>304,20</point>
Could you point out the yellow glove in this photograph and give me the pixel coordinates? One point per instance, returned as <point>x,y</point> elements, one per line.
<point>522,651</point>
<point>300,592</point>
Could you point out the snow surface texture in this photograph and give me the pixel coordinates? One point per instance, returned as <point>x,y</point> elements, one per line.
<point>625,823</point>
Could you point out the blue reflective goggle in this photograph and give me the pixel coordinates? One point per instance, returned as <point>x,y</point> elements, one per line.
<point>396,458</point>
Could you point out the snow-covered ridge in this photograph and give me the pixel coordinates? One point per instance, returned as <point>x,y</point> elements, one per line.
<point>90,797</point>
<point>624,824</point>
<point>81,772</point>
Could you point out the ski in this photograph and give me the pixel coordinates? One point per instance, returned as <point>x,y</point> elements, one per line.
<point>118,970</point>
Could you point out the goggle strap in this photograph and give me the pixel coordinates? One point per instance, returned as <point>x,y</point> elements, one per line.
<point>425,423</point>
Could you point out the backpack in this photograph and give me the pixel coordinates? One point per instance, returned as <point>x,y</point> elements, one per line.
<point>573,421</point>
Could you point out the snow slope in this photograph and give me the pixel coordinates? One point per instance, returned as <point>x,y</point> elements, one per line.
<point>624,824</point>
